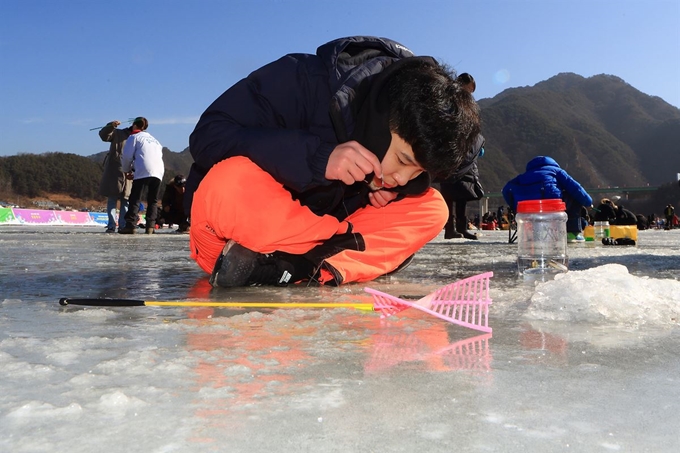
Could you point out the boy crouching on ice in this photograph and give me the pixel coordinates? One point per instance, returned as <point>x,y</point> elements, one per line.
<point>317,167</point>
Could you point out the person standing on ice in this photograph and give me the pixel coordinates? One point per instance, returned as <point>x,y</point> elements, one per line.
<point>457,190</point>
<point>142,161</point>
<point>114,185</point>
<point>317,167</point>
<point>464,185</point>
<point>172,205</point>
<point>669,214</point>
<point>545,179</point>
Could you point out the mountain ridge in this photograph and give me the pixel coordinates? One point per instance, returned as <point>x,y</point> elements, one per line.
<point>600,129</point>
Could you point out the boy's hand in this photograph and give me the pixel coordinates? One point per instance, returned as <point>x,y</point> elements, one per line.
<point>350,162</point>
<point>380,198</point>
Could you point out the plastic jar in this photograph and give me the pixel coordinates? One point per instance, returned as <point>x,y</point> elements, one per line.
<point>600,231</point>
<point>542,237</point>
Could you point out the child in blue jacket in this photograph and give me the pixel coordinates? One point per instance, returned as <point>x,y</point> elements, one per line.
<point>545,179</point>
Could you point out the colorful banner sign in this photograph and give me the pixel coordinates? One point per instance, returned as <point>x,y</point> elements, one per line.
<point>73,218</point>
<point>35,216</point>
<point>6,215</point>
<point>100,218</point>
<point>16,216</point>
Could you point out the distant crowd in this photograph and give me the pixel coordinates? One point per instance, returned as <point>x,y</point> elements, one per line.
<point>504,218</point>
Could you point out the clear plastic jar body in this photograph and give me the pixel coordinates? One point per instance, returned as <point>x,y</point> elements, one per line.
<point>600,230</point>
<point>542,241</point>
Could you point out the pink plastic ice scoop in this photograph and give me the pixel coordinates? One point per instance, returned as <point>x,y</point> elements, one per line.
<point>465,302</point>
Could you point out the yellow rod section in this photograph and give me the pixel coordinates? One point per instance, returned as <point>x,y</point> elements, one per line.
<point>355,305</point>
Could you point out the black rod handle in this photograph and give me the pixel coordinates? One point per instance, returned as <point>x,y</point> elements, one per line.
<point>102,302</point>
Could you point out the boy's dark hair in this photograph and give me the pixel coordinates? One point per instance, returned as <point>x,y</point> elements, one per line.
<point>433,113</point>
<point>141,123</point>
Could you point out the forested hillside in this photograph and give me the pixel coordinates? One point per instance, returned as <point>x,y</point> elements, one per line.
<point>31,175</point>
<point>39,175</point>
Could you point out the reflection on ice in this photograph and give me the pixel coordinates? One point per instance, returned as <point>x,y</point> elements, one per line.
<point>432,348</point>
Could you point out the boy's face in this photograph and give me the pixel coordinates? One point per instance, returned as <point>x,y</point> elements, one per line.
<point>399,165</point>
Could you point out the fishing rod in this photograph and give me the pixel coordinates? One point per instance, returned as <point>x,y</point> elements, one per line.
<point>465,303</point>
<point>129,121</point>
<point>107,302</point>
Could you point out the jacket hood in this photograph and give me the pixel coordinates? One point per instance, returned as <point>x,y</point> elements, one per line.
<point>352,63</point>
<point>541,161</point>
<point>343,57</point>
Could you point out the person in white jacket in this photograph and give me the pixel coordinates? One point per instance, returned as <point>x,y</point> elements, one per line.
<point>142,162</point>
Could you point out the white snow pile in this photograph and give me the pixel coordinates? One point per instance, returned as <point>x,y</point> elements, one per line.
<point>607,295</point>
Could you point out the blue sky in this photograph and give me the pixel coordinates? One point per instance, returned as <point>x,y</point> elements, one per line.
<point>70,65</point>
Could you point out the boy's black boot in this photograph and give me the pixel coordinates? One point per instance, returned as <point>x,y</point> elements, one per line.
<point>239,266</point>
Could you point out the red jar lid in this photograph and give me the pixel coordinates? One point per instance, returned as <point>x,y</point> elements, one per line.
<point>550,205</point>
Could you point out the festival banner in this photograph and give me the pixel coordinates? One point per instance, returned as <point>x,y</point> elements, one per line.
<point>73,217</point>
<point>35,216</point>
<point>50,217</point>
<point>6,215</point>
<point>100,218</point>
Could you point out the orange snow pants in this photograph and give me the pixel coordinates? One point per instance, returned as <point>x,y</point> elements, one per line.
<point>240,201</point>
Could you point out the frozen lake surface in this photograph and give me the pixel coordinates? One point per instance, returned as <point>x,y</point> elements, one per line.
<point>588,362</point>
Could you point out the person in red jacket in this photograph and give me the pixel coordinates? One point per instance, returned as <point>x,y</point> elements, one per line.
<point>317,167</point>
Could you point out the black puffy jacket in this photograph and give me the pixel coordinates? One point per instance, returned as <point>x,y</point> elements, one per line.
<point>289,115</point>
<point>464,184</point>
